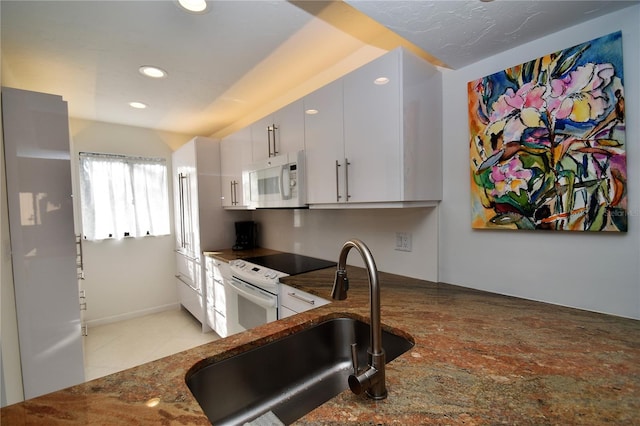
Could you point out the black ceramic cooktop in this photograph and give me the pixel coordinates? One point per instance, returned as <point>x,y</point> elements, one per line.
<point>290,263</point>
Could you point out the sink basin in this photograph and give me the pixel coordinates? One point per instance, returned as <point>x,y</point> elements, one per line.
<point>289,377</point>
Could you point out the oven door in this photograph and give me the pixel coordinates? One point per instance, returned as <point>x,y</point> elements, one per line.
<point>249,306</point>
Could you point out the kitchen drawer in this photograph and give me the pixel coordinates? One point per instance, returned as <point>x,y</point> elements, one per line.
<point>220,297</point>
<point>298,300</point>
<point>188,270</point>
<point>221,325</point>
<point>191,300</point>
<point>284,312</point>
<point>217,269</point>
<point>217,321</point>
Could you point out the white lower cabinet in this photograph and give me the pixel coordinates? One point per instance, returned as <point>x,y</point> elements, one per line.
<point>292,301</point>
<point>217,272</point>
<point>189,282</point>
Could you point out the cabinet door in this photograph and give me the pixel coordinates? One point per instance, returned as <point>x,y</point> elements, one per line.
<point>185,191</point>
<point>235,154</point>
<point>289,135</point>
<point>324,144</point>
<point>210,291</point>
<point>294,300</point>
<point>43,246</point>
<point>372,131</point>
<point>261,139</point>
<point>279,133</point>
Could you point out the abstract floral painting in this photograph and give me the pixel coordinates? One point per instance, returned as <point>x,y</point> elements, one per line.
<point>547,142</point>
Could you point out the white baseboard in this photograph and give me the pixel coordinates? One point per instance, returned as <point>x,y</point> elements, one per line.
<point>130,315</point>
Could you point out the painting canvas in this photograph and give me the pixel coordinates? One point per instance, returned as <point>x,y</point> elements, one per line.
<point>547,142</point>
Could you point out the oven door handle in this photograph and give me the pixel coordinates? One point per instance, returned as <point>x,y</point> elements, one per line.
<point>270,302</point>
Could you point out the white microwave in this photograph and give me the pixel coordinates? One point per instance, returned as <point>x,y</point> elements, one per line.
<point>277,182</point>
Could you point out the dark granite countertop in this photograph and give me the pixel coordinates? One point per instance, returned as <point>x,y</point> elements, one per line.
<point>479,358</point>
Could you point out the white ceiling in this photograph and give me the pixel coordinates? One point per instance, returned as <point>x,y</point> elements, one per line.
<point>230,64</point>
<point>460,33</point>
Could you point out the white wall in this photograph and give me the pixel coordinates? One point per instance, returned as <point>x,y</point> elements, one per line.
<point>130,277</point>
<point>594,271</point>
<point>321,233</point>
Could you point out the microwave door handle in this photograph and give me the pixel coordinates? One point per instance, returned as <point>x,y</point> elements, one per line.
<point>285,191</point>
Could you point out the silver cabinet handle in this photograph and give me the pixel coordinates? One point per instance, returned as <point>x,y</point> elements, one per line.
<point>235,192</point>
<point>346,178</point>
<point>269,140</point>
<point>184,281</point>
<point>338,196</point>
<point>271,134</point>
<point>80,253</point>
<point>197,259</point>
<point>181,188</point>
<point>303,299</point>
<point>83,300</point>
<point>275,150</point>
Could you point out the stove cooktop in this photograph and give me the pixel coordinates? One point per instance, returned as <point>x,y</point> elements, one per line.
<point>290,263</point>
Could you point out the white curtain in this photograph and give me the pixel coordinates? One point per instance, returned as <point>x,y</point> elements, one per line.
<point>123,196</point>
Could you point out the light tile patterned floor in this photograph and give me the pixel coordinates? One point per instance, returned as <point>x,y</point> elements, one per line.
<point>117,346</point>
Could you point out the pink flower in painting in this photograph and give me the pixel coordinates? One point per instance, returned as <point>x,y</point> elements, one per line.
<point>514,112</point>
<point>579,96</point>
<point>509,177</point>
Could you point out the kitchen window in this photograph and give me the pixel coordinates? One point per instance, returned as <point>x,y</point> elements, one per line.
<point>123,196</point>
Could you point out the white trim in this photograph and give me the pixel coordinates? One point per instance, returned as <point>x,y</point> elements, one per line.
<point>131,315</point>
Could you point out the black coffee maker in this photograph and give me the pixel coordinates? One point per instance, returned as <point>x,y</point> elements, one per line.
<point>245,235</point>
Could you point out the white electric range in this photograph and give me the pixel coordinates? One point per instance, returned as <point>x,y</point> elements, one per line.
<point>252,293</point>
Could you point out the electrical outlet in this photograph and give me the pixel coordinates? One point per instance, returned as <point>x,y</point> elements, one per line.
<point>403,241</point>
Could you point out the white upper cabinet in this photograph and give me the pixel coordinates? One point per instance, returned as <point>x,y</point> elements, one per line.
<point>372,130</point>
<point>279,133</point>
<point>324,144</point>
<point>235,154</point>
<point>388,116</point>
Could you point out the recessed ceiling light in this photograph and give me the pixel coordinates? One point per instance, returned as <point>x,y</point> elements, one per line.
<point>195,6</point>
<point>381,80</point>
<point>151,71</point>
<point>311,111</point>
<point>137,105</point>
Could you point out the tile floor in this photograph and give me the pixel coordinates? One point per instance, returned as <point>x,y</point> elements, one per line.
<point>117,346</point>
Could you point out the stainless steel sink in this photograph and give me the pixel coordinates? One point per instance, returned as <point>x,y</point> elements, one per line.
<point>288,377</point>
